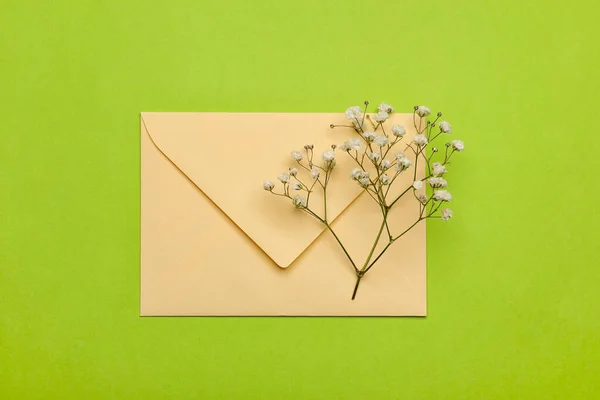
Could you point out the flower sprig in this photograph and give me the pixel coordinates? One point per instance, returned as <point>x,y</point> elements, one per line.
<point>378,165</point>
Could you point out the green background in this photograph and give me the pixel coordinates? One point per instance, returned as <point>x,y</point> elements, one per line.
<point>513,278</point>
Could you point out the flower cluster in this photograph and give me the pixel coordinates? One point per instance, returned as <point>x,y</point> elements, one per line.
<point>377,165</point>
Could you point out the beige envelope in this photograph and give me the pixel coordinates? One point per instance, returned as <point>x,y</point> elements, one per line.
<point>213,242</point>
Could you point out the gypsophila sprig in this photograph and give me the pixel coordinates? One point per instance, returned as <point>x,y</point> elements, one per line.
<point>369,148</point>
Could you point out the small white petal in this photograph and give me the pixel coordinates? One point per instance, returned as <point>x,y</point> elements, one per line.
<point>437,182</point>
<point>458,145</point>
<point>398,130</point>
<point>385,108</point>
<point>268,185</point>
<point>296,155</point>
<point>381,141</point>
<point>375,156</point>
<point>284,177</point>
<point>446,214</point>
<point>299,201</point>
<point>417,185</point>
<point>315,173</point>
<point>357,174</point>
<point>438,169</point>
<point>423,111</point>
<point>369,136</point>
<point>385,180</point>
<point>403,164</point>
<point>364,182</point>
<point>353,113</point>
<point>328,155</point>
<point>445,127</point>
<point>353,144</point>
<point>442,195</point>
<point>420,140</point>
<point>381,116</point>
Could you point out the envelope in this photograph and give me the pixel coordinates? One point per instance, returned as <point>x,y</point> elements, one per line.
<point>214,242</point>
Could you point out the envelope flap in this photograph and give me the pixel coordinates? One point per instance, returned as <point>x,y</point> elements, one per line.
<point>228,155</point>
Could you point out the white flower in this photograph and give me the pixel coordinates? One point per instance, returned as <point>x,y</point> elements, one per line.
<point>423,111</point>
<point>328,155</point>
<point>293,171</point>
<point>353,144</point>
<point>446,214</point>
<point>296,186</point>
<point>399,155</point>
<point>381,141</point>
<point>357,174</point>
<point>398,130</point>
<point>436,182</point>
<point>442,195</point>
<point>369,136</point>
<point>385,180</point>
<point>445,127</point>
<point>299,201</point>
<point>296,155</point>
<point>438,169</point>
<point>364,182</point>
<point>385,108</point>
<point>353,112</point>
<point>268,185</point>
<point>381,116</point>
<point>420,140</point>
<point>403,164</point>
<point>385,164</point>
<point>375,156</point>
<point>422,198</point>
<point>315,173</point>
<point>458,145</point>
<point>417,185</point>
<point>284,177</point>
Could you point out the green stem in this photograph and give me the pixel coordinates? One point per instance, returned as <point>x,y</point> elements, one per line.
<point>374,244</point>
<point>390,243</point>
<point>342,246</point>
<point>325,201</point>
<point>356,286</point>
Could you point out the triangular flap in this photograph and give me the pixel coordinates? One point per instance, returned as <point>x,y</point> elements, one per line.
<point>228,155</point>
